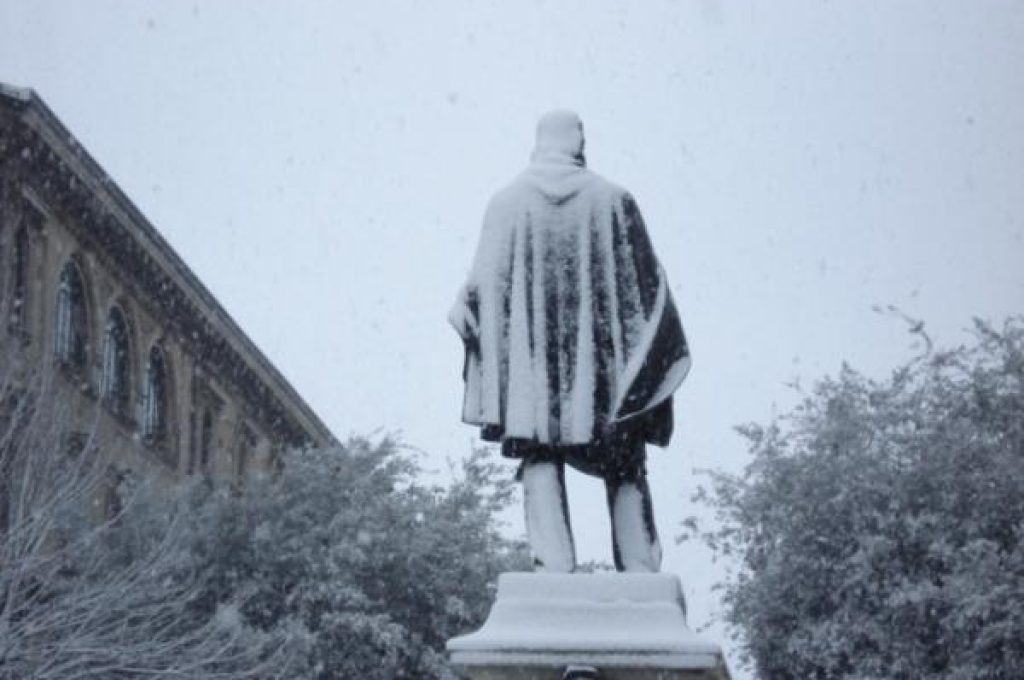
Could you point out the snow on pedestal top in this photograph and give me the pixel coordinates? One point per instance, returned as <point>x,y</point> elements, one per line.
<point>604,620</point>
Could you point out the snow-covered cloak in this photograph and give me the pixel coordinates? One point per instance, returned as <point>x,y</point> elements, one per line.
<point>570,331</point>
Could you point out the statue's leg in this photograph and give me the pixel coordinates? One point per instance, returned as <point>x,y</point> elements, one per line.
<point>547,513</point>
<point>634,537</point>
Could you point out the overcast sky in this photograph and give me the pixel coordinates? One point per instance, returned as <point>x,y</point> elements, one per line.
<point>323,167</point>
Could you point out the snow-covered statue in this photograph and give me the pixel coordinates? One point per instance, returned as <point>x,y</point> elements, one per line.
<point>573,345</point>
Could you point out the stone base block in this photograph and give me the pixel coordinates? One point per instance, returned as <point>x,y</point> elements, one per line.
<point>624,626</point>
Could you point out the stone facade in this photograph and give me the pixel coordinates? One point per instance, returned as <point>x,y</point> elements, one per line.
<point>146,359</point>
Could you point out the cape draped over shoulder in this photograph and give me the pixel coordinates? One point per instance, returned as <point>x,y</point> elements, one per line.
<point>570,331</point>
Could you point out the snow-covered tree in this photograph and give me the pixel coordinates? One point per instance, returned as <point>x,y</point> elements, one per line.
<point>363,567</point>
<point>879,529</point>
<point>78,599</point>
<point>343,564</point>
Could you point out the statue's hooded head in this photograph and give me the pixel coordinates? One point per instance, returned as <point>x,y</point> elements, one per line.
<point>559,136</point>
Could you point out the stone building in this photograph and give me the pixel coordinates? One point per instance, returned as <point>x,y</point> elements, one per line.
<point>146,360</point>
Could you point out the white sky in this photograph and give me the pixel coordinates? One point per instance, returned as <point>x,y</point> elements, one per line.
<point>323,167</point>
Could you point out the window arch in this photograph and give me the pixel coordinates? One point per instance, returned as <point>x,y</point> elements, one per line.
<point>115,385</point>
<point>18,300</point>
<point>245,446</point>
<point>155,399</point>
<point>19,283</point>
<point>205,441</point>
<point>71,335</point>
<point>202,438</point>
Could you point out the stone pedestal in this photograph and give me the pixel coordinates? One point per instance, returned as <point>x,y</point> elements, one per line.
<point>622,626</point>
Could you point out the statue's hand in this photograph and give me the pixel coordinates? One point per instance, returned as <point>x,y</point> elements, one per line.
<point>463,319</point>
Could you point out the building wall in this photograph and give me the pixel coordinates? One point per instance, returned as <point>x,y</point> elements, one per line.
<point>51,247</point>
<point>215,425</point>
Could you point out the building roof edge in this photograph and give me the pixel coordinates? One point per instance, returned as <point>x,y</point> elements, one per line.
<point>27,98</point>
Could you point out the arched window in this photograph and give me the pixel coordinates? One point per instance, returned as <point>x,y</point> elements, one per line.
<point>71,338</point>
<point>202,437</point>
<point>154,403</point>
<point>205,441</point>
<point>19,284</point>
<point>116,379</point>
<point>246,445</point>
<point>17,308</point>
